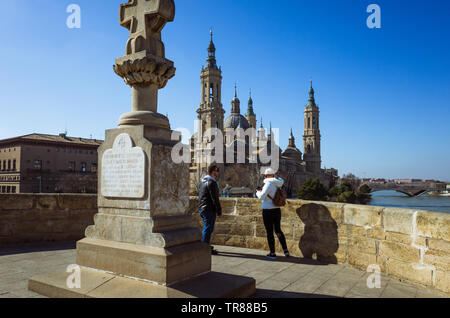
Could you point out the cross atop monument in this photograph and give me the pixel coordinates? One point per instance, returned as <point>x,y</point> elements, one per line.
<point>144,66</point>
<point>145,19</point>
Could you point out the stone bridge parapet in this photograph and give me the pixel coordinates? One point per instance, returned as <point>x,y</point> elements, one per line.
<point>407,244</point>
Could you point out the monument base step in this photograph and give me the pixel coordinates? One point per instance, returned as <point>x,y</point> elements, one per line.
<point>96,284</point>
<point>163,266</point>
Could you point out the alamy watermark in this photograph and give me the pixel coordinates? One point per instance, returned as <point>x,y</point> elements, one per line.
<point>74,19</point>
<point>374,20</point>
<point>374,279</point>
<point>234,146</point>
<point>74,279</point>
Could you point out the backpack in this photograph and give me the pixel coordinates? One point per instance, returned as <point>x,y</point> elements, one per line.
<point>280,197</point>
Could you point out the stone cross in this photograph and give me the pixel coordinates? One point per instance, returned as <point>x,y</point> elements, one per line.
<point>145,19</point>
<point>144,67</point>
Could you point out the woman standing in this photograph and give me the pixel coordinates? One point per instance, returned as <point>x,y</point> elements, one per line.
<point>272,213</point>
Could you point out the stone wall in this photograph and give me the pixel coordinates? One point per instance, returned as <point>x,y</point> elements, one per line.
<point>406,244</point>
<point>26,218</point>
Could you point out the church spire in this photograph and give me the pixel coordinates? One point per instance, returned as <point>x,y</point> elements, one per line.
<point>311,99</point>
<point>235,103</point>
<point>250,111</point>
<point>211,61</point>
<point>292,140</point>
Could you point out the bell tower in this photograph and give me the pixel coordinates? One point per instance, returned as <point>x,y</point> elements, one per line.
<point>251,117</point>
<point>211,112</point>
<point>311,136</point>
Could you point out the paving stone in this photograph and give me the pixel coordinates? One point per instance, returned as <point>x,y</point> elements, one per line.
<point>261,275</point>
<point>308,283</point>
<point>361,290</point>
<point>426,293</point>
<point>399,290</point>
<point>282,278</point>
<point>341,283</point>
<point>273,284</point>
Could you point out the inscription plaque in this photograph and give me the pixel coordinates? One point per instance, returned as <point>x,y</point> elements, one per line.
<point>123,170</point>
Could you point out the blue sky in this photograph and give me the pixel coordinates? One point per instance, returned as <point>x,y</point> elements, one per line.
<point>383,93</point>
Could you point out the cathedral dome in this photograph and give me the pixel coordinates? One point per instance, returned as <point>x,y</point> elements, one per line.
<point>236,121</point>
<point>292,153</point>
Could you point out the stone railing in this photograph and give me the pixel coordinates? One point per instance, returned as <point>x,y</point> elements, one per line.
<point>406,244</point>
<point>26,218</point>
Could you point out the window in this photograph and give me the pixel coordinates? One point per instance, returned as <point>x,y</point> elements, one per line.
<point>83,166</point>
<point>9,165</point>
<point>14,165</point>
<point>13,190</point>
<point>8,189</point>
<point>38,164</point>
<point>4,165</point>
<point>309,122</point>
<point>314,122</point>
<point>71,165</point>
<point>93,167</point>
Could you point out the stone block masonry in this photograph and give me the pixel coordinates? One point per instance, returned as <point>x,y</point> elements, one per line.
<point>31,218</point>
<point>407,244</point>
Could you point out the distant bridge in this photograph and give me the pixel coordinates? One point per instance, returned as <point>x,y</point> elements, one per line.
<point>411,190</point>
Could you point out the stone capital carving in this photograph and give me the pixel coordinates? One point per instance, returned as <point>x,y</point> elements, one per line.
<point>145,70</point>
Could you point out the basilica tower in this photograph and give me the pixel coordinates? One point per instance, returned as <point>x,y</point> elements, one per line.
<point>311,136</point>
<point>250,115</point>
<point>211,112</point>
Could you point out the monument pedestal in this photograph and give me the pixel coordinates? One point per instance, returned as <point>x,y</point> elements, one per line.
<point>143,242</point>
<point>163,266</point>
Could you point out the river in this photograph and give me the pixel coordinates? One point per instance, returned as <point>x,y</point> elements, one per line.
<point>400,200</point>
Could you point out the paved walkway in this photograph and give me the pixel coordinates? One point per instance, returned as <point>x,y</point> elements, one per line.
<point>283,278</point>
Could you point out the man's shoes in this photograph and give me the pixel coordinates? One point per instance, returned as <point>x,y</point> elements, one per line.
<point>213,251</point>
<point>272,256</point>
<point>286,253</point>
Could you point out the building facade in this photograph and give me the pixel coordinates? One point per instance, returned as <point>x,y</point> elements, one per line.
<point>39,163</point>
<point>295,168</point>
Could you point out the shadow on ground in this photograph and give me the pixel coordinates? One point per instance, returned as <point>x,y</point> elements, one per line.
<point>13,249</point>
<point>265,293</point>
<point>280,259</point>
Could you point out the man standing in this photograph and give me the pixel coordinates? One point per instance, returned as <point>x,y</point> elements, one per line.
<point>209,203</point>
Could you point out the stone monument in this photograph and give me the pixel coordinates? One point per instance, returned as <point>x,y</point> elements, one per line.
<point>143,243</point>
